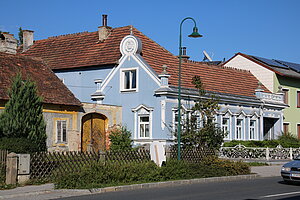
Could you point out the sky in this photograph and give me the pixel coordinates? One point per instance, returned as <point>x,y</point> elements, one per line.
<point>265,28</point>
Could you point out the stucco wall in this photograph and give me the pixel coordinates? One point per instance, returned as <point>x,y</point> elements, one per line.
<point>130,100</point>
<point>265,76</point>
<point>81,81</point>
<point>291,113</point>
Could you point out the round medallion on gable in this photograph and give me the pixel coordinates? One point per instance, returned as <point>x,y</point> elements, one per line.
<point>130,45</point>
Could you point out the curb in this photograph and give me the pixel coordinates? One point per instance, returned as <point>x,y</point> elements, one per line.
<point>172,183</point>
<point>76,192</point>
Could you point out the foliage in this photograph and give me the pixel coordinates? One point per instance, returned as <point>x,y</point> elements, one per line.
<point>18,145</point>
<point>20,34</point>
<point>286,141</point>
<point>209,134</point>
<point>102,175</point>
<point>120,139</point>
<point>23,114</point>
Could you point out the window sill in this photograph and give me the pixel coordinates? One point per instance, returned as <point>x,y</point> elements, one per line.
<point>61,144</point>
<point>128,91</point>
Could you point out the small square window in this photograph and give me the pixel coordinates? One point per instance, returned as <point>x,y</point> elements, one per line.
<point>129,80</point>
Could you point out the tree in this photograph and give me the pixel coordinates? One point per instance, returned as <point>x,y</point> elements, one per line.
<point>23,113</point>
<point>20,34</point>
<point>208,134</point>
<point>120,139</point>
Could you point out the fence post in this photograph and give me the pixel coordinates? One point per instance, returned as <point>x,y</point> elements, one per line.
<point>291,153</point>
<point>11,168</point>
<point>167,152</point>
<point>267,153</point>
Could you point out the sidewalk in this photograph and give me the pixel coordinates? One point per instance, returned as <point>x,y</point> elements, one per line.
<point>267,171</point>
<point>47,191</point>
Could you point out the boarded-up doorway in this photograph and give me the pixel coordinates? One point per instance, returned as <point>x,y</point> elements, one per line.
<point>93,137</point>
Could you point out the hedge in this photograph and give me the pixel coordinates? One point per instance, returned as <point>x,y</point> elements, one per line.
<point>18,145</point>
<point>285,141</point>
<point>111,174</point>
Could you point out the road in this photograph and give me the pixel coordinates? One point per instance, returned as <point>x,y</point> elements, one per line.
<point>260,188</point>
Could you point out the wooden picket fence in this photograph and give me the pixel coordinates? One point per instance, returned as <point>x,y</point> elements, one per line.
<point>47,165</point>
<point>3,157</point>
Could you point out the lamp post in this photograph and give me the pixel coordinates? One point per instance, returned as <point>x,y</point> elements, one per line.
<point>195,34</point>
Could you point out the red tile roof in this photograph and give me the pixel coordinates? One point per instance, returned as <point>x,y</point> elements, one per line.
<point>84,49</point>
<point>48,84</point>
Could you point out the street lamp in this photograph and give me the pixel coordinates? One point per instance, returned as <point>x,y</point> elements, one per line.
<point>195,34</point>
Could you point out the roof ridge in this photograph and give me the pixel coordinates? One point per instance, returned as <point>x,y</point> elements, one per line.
<point>157,44</point>
<point>25,57</point>
<point>219,66</point>
<point>78,33</point>
<point>70,34</point>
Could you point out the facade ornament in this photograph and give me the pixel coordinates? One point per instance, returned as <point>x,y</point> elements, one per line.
<point>131,28</point>
<point>164,72</point>
<point>259,87</point>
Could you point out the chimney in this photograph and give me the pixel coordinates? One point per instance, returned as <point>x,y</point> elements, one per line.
<point>27,39</point>
<point>104,20</point>
<point>8,43</point>
<point>103,30</point>
<point>183,54</point>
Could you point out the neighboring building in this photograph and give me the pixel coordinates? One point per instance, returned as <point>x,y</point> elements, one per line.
<point>66,118</point>
<point>276,75</point>
<point>60,106</point>
<point>123,67</point>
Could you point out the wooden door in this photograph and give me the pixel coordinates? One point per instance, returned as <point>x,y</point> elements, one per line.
<point>93,132</point>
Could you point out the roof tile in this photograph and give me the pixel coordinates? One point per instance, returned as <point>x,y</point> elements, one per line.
<point>48,84</point>
<point>84,49</point>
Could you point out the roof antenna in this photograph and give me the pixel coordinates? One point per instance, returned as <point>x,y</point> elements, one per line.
<point>206,57</point>
<point>131,32</point>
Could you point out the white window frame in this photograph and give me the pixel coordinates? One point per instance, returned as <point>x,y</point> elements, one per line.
<point>61,140</point>
<point>142,111</point>
<point>254,128</point>
<point>241,128</point>
<point>140,135</point>
<point>228,126</point>
<point>185,113</point>
<point>122,79</point>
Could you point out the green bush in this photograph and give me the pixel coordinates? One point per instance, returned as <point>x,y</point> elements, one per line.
<point>285,141</point>
<point>101,175</point>
<point>18,145</point>
<point>120,139</point>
